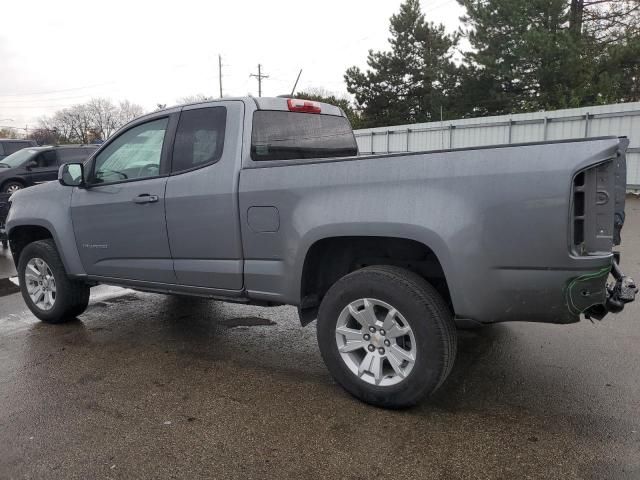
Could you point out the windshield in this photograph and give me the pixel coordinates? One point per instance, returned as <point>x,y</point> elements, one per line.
<point>18,158</point>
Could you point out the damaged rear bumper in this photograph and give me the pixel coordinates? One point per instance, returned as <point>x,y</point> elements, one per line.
<point>623,290</point>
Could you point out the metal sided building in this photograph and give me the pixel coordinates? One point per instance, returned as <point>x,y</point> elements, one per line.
<point>621,119</point>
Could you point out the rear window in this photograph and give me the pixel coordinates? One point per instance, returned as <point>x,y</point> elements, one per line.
<point>279,135</point>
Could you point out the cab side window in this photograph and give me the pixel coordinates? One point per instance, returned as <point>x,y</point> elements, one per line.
<point>135,154</point>
<point>199,138</point>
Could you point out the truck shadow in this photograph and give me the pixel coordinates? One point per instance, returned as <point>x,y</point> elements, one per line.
<point>513,367</point>
<point>478,351</point>
<point>495,367</point>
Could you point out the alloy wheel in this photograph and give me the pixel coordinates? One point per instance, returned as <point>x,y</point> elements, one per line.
<point>41,284</point>
<point>376,342</point>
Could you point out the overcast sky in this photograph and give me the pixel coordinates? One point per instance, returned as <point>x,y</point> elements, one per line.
<point>54,54</point>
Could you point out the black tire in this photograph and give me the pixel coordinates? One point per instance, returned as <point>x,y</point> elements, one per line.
<point>12,183</point>
<point>72,296</point>
<point>427,314</point>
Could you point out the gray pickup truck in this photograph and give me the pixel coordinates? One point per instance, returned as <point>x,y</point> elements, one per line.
<point>266,201</point>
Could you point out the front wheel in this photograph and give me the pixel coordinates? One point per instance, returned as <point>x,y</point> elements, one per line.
<point>386,336</point>
<point>46,289</point>
<point>12,187</point>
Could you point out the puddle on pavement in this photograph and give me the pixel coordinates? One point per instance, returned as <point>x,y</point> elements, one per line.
<point>7,287</point>
<point>16,322</point>
<point>245,322</point>
<point>129,297</point>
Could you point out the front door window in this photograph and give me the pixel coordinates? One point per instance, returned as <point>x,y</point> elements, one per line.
<point>133,155</point>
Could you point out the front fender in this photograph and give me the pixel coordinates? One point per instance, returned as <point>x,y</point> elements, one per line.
<point>47,206</point>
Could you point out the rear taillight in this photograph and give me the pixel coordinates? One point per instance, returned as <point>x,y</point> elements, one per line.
<point>303,106</point>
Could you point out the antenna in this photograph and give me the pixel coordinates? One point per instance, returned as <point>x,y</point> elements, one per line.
<point>296,84</point>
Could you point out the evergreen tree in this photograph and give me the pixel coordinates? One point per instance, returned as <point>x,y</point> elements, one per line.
<point>415,80</point>
<point>523,57</point>
<point>526,55</point>
<point>321,95</point>
<point>610,36</point>
<point>548,54</point>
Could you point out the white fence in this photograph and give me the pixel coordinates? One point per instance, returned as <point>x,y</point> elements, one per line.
<point>619,119</point>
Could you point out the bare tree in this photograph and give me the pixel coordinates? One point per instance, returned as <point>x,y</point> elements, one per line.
<point>127,111</point>
<point>80,121</point>
<point>6,132</point>
<point>44,136</point>
<point>104,117</point>
<point>97,119</point>
<point>198,97</point>
<point>59,124</point>
<point>607,21</point>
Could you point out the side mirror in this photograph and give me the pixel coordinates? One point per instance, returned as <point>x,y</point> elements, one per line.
<point>71,175</point>
<point>31,164</point>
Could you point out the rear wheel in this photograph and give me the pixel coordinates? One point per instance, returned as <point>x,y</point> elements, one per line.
<point>46,289</point>
<point>12,187</point>
<point>386,336</point>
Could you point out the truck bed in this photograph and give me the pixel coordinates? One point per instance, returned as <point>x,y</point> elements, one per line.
<point>499,220</point>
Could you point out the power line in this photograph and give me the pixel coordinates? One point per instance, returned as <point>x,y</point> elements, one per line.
<point>24,100</point>
<point>18,107</point>
<point>57,91</point>
<point>259,76</point>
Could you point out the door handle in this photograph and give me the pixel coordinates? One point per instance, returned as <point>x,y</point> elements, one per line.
<point>145,198</point>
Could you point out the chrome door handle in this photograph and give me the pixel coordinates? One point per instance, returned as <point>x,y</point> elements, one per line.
<point>146,198</point>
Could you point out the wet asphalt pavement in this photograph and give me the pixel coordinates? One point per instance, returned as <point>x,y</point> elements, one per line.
<point>146,386</point>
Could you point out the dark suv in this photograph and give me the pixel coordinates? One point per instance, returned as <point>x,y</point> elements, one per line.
<point>9,146</point>
<point>31,166</point>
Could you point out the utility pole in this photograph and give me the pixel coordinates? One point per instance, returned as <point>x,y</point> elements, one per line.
<point>296,84</point>
<point>259,76</point>
<point>220,73</point>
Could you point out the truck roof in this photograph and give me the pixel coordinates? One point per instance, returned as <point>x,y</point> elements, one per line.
<point>262,103</point>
